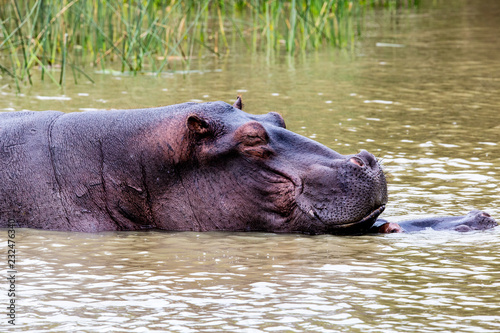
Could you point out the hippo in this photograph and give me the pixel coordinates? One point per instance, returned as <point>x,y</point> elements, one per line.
<point>474,220</point>
<point>186,167</point>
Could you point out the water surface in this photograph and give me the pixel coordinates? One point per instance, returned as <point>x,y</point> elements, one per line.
<point>214,282</point>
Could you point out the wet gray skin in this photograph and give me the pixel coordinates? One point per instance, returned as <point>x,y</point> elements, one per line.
<point>474,220</point>
<point>198,167</point>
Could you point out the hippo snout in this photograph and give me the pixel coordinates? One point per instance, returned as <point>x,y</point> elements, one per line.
<point>363,176</point>
<point>346,194</point>
<point>478,220</point>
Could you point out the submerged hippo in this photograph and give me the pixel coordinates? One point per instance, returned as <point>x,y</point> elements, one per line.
<point>474,220</point>
<point>201,167</point>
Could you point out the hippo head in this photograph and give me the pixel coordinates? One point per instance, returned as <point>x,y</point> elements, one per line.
<point>248,172</point>
<point>474,220</point>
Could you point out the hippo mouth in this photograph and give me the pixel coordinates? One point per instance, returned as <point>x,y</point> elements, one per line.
<point>358,227</point>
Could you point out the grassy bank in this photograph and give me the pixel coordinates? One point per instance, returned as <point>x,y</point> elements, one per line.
<point>54,39</point>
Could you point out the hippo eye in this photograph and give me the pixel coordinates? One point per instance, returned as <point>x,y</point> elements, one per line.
<point>393,231</point>
<point>276,119</point>
<point>252,139</point>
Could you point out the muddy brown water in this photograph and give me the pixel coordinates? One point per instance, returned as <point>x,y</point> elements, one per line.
<point>420,90</point>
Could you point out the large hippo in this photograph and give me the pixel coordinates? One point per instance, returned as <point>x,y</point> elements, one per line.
<point>201,167</point>
<point>474,220</point>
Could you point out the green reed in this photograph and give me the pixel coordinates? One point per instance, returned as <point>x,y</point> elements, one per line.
<point>51,37</point>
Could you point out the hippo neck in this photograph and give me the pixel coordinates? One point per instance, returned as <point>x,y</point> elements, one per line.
<point>115,167</point>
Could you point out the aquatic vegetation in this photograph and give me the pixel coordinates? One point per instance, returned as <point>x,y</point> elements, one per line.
<point>57,36</point>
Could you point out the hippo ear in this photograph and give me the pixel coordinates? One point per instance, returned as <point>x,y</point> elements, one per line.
<point>238,104</point>
<point>198,125</point>
<point>252,139</point>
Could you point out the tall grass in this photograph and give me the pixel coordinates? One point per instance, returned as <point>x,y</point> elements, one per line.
<point>51,37</point>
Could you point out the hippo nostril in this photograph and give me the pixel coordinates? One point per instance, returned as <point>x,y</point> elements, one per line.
<point>357,161</point>
<point>367,158</point>
<point>485,214</point>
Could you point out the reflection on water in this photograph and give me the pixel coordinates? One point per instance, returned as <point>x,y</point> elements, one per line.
<point>213,282</point>
<point>427,108</point>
